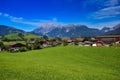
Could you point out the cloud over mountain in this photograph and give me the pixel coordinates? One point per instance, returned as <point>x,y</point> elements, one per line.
<point>110,12</point>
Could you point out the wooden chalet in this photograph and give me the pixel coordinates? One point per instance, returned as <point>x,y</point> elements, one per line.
<point>17,45</point>
<point>109,38</point>
<point>80,39</point>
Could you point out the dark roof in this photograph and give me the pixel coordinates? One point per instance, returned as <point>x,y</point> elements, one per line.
<point>107,36</point>
<point>17,45</point>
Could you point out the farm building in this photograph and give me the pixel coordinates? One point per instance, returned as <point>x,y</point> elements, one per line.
<point>80,39</point>
<point>16,47</point>
<point>109,38</point>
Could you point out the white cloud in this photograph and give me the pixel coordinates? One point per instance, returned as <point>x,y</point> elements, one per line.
<point>34,22</point>
<point>111,3</point>
<point>0,13</point>
<point>12,18</point>
<point>103,24</point>
<point>104,13</point>
<point>6,15</point>
<point>100,3</point>
<point>108,24</point>
<point>109,12</point>
<point>54,19</point>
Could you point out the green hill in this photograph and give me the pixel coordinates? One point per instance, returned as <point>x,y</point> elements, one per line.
<point>4,30</point>
<point>29,36</point>
<point>0,36</point>
<point>62,63</point>
<point>17,36</point>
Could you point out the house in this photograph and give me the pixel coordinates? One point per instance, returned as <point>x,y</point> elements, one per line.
<point>1,46</point>
<point>56,41</point>
<point>81,43</point>
<point>15,47</point>
<point>69,41</point>
<point>94,44</point>
<point>66,39</point>
<point>80,39</point>
<point>118,42</point>
<point>99,43</point>
<point>109,38</point>
<point>93,39</point>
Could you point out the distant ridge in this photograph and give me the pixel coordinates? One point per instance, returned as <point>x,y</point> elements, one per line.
<point>70,30</point>
<point>4,30</point>
<point>114,31</point>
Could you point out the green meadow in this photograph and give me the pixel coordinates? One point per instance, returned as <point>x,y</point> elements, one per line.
<point>62,63</point>
<point>20,37</point>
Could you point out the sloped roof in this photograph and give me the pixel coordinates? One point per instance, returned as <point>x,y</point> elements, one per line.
<point>17,45</point>
<point>80,39</point>
<point>107,36</point>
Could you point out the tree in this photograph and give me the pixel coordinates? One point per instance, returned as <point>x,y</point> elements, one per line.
<point>1,45</point>
<point>28,45</point>
<point>65,43</point>
<point>58,38</point>
<point>21,36</point>
<point>45,37</point>
<point>36,44</point>
<point>76,42</point>
<point>4,38</point>
<point>32,44</point>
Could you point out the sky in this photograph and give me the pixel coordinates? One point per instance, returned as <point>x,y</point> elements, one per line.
<point>30,14</point>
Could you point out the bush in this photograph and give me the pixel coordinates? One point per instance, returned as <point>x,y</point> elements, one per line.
<point>65,43</point>
<point>76,42</point>
<point>116,45</point>
<point>22,49</point>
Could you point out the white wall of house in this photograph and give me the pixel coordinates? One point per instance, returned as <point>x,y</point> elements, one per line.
<point>94,44</point>
<point>0,49</point>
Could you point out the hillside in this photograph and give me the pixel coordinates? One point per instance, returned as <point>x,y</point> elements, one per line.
<point>69,30</point>
<point>114,31</point>
<point>4,30</point>
<point>62,63</point>
<point>16,36</point>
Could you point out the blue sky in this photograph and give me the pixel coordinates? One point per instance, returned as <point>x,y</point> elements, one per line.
<point>30,14</point>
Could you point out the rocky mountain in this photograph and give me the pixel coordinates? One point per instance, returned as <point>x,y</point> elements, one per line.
<point>46,28</point>
<point>4,30</point>
<point>69,30</point>
<point>74,31</point>
<point>114,31</point>
<point>105,29</point>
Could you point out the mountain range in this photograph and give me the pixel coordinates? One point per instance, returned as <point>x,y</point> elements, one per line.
<point>72,30</point>
<point>69,30</point>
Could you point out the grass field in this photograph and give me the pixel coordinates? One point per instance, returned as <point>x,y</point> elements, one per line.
<point>62,63</point>
<point>25,36</point>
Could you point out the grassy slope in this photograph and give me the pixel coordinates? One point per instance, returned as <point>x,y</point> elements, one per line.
<point>15,36</point>
<point>26,36</point>
<point>12,36</point>
<point>62,63</point>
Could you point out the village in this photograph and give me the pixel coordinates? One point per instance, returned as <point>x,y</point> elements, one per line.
<point>33,44</point>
